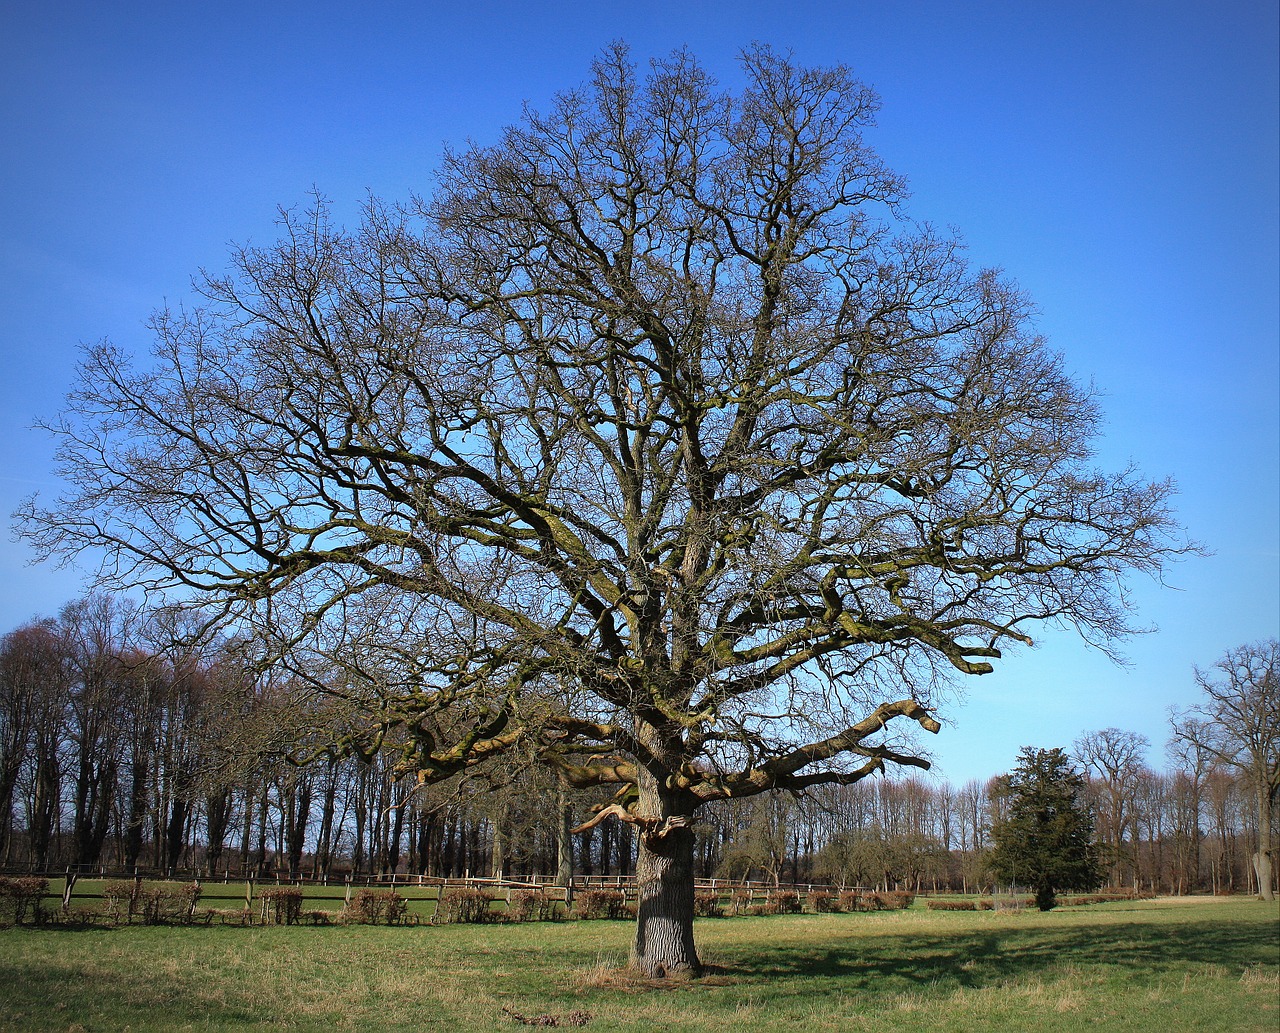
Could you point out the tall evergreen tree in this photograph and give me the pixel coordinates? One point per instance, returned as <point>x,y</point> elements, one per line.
<point>1046,837</point>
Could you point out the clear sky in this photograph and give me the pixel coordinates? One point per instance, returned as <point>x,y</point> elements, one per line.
<point>1120,159</point>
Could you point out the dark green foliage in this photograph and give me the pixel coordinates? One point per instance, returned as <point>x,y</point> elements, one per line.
<point>1046,840</point>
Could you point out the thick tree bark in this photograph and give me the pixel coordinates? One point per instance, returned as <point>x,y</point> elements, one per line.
<point>664,879</point>
<point>1262,862</point>
<point>498,847</point>
<point>564,840</point>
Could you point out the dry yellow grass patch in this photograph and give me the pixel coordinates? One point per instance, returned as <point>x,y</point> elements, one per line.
<point>1261,979</point>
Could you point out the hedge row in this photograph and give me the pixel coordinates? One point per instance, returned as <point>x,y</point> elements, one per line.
<point>156,903</point>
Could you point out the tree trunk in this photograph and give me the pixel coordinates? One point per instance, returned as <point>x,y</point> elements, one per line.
<point>564,840</point>
<point>664,880</point>
<point>246,841</point>
<point>1262,858</point>
<point>324,841</point>
<point>218,817</point>
<point>498,845</point>
<point>397,835</point>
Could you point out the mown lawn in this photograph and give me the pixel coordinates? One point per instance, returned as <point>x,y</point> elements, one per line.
<point>1153,966</point>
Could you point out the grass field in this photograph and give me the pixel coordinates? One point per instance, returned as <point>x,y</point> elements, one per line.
<point>1152,966</point>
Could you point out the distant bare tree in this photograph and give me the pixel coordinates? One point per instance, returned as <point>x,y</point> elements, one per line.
<point>1238,724</point>
<point>33,687</point>
<point>1113,761</point>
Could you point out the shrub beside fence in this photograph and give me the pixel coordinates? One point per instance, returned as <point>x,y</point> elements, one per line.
<point>372,906</point>
<point>281,905</point>
<point>532,906</point>
<point>122,901</point>
<point>22,899</point>
<point>608,904</point>
<point>465,905</point>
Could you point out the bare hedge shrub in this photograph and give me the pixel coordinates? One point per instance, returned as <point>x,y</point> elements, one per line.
<point>609,904</point>
<point>706,904</point>
<point>22,898</point>
<point>466,906</point>
<point>876,900</point>
<point>281,905</point>
<point>740,901</point>
<point>121,897</point>
<point>372,906</point>
<point>163,903</point>
<point>888,900</point>
<point>951,905</point>
<point>532,906</point>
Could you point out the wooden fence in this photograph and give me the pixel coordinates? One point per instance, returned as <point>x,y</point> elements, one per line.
<point>425,892</point>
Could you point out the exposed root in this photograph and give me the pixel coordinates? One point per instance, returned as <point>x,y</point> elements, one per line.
<point>573,1018</point>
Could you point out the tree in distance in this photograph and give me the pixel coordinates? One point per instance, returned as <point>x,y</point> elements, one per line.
<point>1238,725</point>
<point>655,444</point>
<point>1045,840</point>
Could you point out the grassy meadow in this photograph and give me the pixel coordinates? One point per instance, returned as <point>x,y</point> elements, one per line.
<point>1164,965</point>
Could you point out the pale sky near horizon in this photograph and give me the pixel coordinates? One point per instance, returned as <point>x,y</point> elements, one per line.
<point>1121,160</point>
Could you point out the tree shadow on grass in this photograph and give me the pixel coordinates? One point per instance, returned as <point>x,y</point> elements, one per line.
<point>973,959</point>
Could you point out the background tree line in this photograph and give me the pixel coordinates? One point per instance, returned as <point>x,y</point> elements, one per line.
<point>122,747</point>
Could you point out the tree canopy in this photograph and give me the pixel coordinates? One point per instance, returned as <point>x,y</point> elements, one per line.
<point>654,438</point>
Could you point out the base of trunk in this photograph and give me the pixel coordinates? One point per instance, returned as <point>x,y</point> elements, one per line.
<point>1265,873</point>
<point>664,945</point>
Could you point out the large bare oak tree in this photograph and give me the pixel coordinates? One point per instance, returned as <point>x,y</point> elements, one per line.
<point>655,442</point>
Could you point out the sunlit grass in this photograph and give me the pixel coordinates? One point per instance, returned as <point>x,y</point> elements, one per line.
<point>1204,965</point>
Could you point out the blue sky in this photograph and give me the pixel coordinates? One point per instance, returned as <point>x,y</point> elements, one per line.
<point>1121,160</point>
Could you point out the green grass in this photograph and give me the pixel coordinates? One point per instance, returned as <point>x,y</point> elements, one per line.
<point>1151,966</point>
